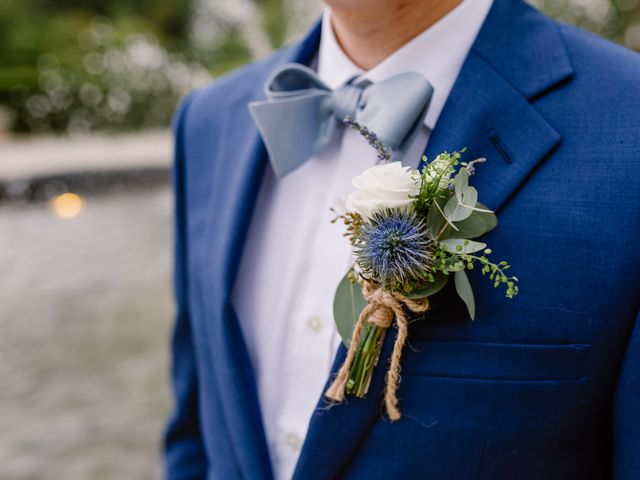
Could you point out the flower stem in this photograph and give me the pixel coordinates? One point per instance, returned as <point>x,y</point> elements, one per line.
<point>365,360</point>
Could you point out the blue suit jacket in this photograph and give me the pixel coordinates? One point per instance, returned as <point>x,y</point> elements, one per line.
<point>544,386</point>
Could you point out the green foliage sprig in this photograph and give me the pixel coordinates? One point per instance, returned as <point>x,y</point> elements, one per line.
<point>433,177</point>
<point>454,261</point>
<point>353,223</point>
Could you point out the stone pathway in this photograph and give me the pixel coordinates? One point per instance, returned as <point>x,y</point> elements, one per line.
<point>85,314</point>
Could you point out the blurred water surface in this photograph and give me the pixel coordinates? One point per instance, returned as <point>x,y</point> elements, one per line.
<point>85,308</point>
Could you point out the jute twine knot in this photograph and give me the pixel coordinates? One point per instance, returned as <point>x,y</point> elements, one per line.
<point>381,309</point>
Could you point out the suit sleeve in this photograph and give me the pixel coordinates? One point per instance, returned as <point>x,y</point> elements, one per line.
<point>626,414</point>
<point>184,453</point>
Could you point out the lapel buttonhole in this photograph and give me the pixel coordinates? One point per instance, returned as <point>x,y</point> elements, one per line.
<point>500,147</point>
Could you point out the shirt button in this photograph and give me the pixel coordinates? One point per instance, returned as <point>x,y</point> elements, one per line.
<point>293,441</point>
<point>314,323</point>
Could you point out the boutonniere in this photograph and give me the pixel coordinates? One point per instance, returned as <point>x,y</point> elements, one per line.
<point>411,232</point>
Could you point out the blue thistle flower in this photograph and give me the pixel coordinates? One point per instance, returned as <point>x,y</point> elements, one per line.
<point>395,249</point>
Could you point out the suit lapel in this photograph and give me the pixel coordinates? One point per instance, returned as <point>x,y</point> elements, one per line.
<point>493,120</point>
<point>517,57</point>
<point>240,159</point>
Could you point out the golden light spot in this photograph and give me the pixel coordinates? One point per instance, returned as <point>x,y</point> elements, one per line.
<point>67,205</point>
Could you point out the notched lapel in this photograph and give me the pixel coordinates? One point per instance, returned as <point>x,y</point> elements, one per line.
<point>240,159</point>
<point>240,181</point>
<point>234,186</point>
<point>518,57</point>
<point>493,120</point>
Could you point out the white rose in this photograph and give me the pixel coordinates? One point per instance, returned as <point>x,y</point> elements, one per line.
<point>389,185</point>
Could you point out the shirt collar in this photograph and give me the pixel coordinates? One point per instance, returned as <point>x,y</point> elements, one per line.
<point>335,68</point>
<point>441,50</point>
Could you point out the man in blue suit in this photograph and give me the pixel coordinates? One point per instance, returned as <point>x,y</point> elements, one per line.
<point>546,386</point>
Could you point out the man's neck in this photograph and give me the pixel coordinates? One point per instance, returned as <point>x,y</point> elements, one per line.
<point>369,35</point>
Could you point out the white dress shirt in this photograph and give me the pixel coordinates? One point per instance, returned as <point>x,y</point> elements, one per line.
<point>295,257</point>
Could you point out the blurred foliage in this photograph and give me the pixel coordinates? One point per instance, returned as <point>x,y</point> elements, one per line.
<point>123,65</point>
<point>92,65</point>
<point>618,20</point>
<point>29,28</point>
<point>119,65</point>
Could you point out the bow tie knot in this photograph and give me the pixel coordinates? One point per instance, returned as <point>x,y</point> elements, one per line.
<point>302,114</point>
<point>346,101</point>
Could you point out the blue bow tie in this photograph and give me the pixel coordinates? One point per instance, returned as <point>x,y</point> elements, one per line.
<point>301,113</point>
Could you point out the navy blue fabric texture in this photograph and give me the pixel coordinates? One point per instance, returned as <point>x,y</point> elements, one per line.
<point>546,385</point>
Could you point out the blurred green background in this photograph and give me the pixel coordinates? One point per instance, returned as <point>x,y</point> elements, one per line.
<point>122,65</point>
<point>77,67</point>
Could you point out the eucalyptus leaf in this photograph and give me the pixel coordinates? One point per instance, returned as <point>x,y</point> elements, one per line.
<point>462,245</point>
<point>432,288</point>
<point>347,305</point>
<point>463,287</point>
<point>456,209</point>
<point>461,183</point>
<point>477,224</point>
<point>435,220</point>
<point>471,227</point>
<point>470,197</point>
<point>490,218</point>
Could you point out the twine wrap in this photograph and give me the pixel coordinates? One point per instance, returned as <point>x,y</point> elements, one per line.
<point>382,308</point>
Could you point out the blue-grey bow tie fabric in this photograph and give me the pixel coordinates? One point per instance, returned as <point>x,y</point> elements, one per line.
<point>301,113</point>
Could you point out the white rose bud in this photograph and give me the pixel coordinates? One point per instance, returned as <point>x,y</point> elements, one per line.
<point>439,167</point>
<point>389,185</point>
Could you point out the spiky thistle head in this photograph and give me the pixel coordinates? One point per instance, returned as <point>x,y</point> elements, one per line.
<point>394,249</point>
